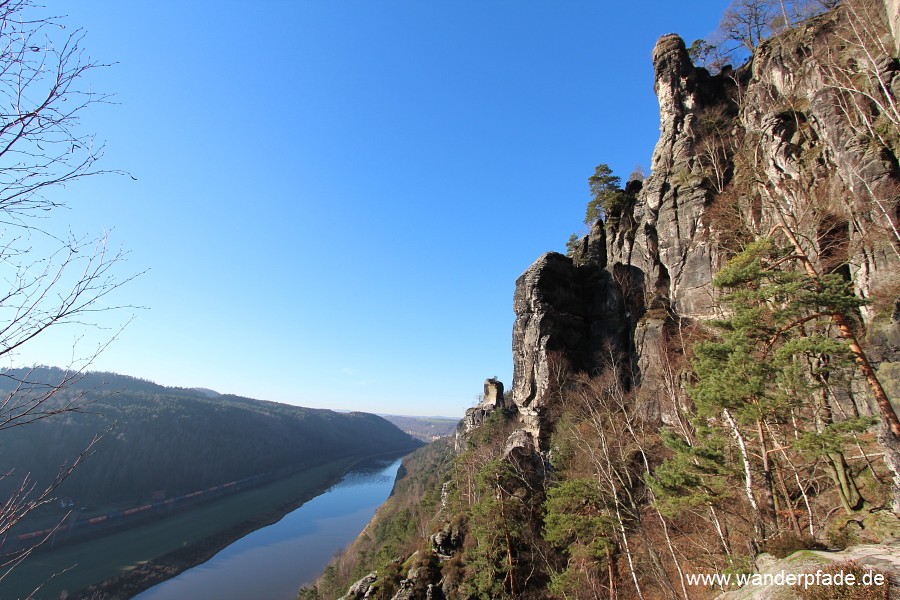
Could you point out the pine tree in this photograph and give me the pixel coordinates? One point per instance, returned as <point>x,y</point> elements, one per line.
<point>766,379</point>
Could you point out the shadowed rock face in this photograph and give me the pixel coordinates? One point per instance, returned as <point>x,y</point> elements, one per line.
<point>656,256</point>
<point>551,315</point>
<point>577,311</point>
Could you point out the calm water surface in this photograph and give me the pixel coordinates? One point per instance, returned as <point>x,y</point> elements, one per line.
<point>272,563</point>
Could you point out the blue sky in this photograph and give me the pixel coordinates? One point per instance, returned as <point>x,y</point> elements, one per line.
<point>331,200</point>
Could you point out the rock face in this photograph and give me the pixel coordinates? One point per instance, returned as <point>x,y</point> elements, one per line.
<point>772,131</point>
<point>653,263</point>
<point>361,589</point>
<point>578,312</point>
<point>809,154</point>
<point>492,400</point>
<point>893,13</point>
<point>550,316</point>
<point>493,393</point>
<point>665,238</point>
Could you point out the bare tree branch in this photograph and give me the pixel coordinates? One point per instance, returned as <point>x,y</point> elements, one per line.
<point>46,280</point>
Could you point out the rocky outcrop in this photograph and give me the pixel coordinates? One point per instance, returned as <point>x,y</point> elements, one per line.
<point>364,588</point>
<point>417,585</point>
<point>883,558</point>
<point>447,541</point>
<point>774,130</point>
<point>665,238</point>
<point>550,317</point>
<point>653,263</point>
<point>413,587</point>
<point>493,399</point>
<point>893,14</point>
<point>493,393</point>
<point>578,312</point>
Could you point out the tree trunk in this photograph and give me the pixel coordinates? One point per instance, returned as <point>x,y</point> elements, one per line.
<point>889,436</point>
<point>792,518</point>
<point>768,484</point>
<point>509,556</point>
<point>748,475</point>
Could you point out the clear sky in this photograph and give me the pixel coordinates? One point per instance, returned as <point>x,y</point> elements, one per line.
<point>332,200</point>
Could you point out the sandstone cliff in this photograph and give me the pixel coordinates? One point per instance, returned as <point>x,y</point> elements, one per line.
<point>801,139</point>
<point>775,130</point>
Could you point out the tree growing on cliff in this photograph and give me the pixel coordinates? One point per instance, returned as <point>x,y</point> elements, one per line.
<point>605,191</point>
<point>608,198</point>
<point>769,378</point>
<point>573,245</point>
<point>43,95</point>
<point>746,24</point>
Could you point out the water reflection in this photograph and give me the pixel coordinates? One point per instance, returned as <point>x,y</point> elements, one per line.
<point>273,562</point>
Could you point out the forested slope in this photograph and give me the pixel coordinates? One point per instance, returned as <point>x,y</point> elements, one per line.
<point>171,440</point>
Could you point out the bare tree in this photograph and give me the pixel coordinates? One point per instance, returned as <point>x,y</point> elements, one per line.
<point>46,280</point>
<point>748,22</point>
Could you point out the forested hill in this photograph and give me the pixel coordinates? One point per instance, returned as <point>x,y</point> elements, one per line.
<point>173,440</point>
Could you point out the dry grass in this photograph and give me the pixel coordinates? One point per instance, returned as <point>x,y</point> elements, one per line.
<point>850,592</point>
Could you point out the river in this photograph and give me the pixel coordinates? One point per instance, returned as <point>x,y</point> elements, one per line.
<point>272,563</point>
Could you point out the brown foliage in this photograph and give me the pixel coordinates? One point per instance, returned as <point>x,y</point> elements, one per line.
<point>848,592</point>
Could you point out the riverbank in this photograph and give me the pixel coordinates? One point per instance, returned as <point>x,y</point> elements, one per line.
<point>131,561</point>
<point>165,567</point>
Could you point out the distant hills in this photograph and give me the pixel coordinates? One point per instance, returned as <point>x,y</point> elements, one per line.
<point>163,441</point>
<point>427,429</point>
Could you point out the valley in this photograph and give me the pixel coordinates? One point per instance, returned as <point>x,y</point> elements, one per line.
<point>353,208</point>
<point>177,476</point>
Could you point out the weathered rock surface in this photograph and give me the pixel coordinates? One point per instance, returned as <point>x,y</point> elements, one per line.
<point>492,400</point>
<point>493,393</point>
<point>883,557</point>
<point>446,541</point>
<point>550,316</point>
<point>362,588</point>
<point>579,312</point>
<point>520,442</point>
<point>811,156</point>
<point>665,237</point>
<point>416,587</point>
<point>656,259</point>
